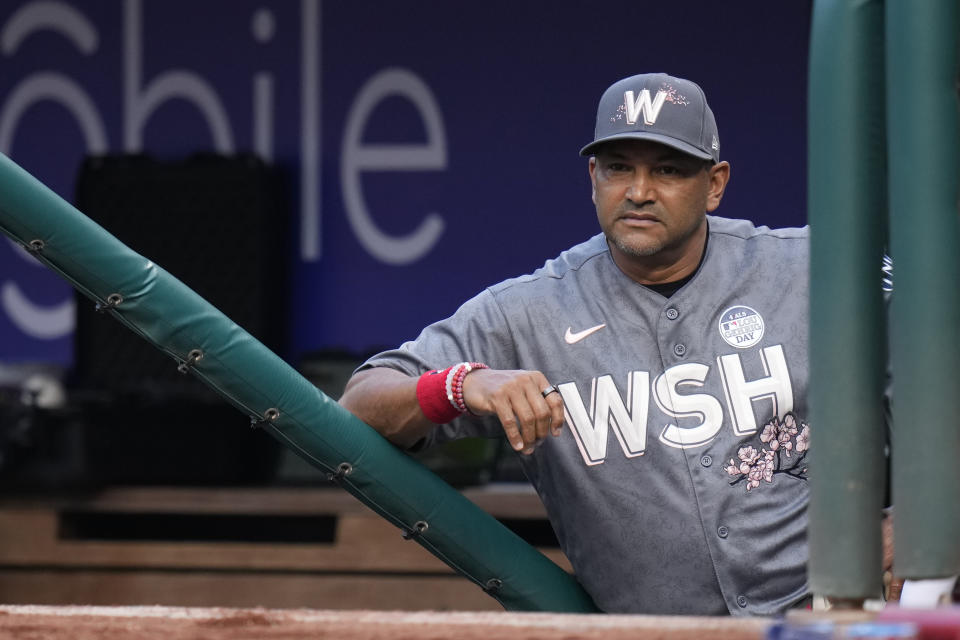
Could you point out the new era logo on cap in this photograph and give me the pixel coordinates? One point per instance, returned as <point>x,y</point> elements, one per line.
<point>661,108</point>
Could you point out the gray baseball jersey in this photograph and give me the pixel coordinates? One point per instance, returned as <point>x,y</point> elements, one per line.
<point>679,482</point>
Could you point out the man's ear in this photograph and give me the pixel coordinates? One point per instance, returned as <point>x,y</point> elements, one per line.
<point>719,177</point>
<point>593,179</point>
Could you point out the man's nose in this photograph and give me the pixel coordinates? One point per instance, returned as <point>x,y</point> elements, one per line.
<point>641,188</point>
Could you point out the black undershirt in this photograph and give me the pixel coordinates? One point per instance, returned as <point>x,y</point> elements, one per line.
<point>667,289</point>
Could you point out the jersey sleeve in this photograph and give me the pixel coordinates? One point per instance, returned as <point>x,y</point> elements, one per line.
<point>477,332</point>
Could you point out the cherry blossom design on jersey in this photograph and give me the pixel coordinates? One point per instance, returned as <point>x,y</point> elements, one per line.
<point>782,450</point>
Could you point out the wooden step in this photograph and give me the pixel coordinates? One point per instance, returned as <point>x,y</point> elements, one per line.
<point>310,547</point>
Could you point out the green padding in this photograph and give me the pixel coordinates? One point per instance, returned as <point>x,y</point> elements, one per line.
<point>846,211</point>
<point>174,318</point>
<point>924,135</point>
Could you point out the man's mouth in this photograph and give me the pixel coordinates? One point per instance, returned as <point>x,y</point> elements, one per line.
<point>639,218</point>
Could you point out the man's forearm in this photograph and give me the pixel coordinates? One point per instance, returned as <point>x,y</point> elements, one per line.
<point>526,404</point>
<point>386,399</point>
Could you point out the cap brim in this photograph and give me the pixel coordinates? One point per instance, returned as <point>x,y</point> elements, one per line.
<point>679,145</point>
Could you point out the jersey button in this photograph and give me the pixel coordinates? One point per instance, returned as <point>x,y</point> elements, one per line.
<point>741,601</point>
<point>722,531</point>
<point>672,314</point>
<point>706,461</point>
<point>680,349</point>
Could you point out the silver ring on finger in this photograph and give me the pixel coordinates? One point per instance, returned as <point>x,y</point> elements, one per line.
<point>549,390</point>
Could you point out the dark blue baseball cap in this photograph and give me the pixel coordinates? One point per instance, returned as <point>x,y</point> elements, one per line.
<point>661,108</point>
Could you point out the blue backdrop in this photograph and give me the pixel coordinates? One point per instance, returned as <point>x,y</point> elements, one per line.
<point>432,145</point>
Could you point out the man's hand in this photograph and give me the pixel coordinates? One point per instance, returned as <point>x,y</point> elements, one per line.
<point>516,398</point>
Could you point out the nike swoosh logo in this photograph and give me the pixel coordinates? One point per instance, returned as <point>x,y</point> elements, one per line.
<point>573,338</point>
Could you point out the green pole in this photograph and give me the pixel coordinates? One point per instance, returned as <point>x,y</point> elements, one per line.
<point>846,211</point>
<point>925,242</point>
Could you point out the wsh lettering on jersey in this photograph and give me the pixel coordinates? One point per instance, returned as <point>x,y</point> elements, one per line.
<point>702,414</point>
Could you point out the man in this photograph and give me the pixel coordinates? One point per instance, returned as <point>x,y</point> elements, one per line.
<point>672,346</point>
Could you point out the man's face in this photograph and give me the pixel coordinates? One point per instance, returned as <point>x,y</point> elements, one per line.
<point>652,199</point>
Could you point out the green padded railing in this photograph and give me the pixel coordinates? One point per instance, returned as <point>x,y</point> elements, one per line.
<point>202,340</point>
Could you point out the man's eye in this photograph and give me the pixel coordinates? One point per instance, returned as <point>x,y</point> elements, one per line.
<point>668,170</point>
<point>617,166</point>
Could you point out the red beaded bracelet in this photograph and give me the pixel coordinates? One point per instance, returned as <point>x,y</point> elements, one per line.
<point>457,387</point>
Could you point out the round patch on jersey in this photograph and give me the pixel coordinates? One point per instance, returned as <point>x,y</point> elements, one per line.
<point>741,327</point>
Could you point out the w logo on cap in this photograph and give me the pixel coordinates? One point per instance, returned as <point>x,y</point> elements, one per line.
<point>637,105</point>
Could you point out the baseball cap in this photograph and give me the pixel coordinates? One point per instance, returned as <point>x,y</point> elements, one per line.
<point>661,108</point>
